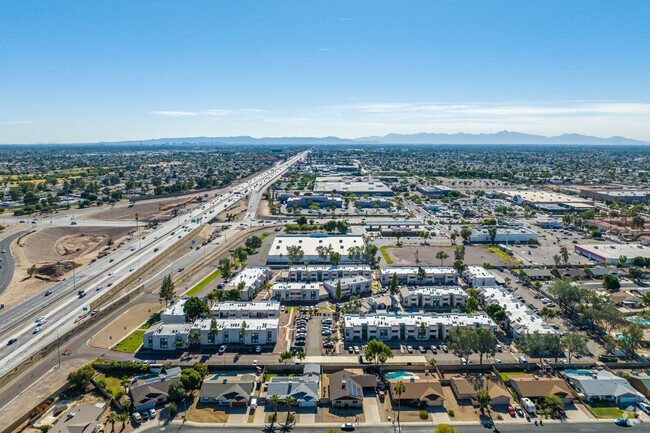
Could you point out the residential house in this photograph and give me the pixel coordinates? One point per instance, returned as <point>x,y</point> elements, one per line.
<point>466,386</point>
<point>346,388</point>
<point>535,387</point>
<point>83,418</point>
<point>425,390</point>
<point>233,391</point>
<point>603,385</point>
<point>305,388</point>
<point>641,384</point>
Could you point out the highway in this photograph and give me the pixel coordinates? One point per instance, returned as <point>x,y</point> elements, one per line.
<point>7,260</point>
<point>63,305</point>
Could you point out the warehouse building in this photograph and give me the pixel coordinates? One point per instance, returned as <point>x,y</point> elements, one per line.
<point>408,326</point>
<point>433,191</point>
<point>408,276</point>
<point>371,187</point>
<point>321,200</point>
<point>504,235</point>
<point>278,254</point>
<point>610,253</point>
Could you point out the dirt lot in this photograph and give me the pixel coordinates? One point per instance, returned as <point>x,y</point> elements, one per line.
<point>147,210</point>
<point>67,243</point>
<point>207,413</point>
<point>405,256</point>
<point>123,325</point>
<point>51,246</point>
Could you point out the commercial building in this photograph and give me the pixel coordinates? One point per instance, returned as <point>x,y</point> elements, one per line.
<point>323,201</point>
<point>478,276</point>
<point>349,286</point>
<point>610,253</point>
<point>520,319</point>
<point>618,195</point>
<point>246,310</point>
<point>278,254</point>
<point>535,197</point>
<point>410,326</point>
<point>505,235</point>
<point>371,187</point>
<point>433,191</point>
<point>408,275</point>
<point>439,297</point>
<point>298,292</point>
<point>163,336</point>
<point>254,277</point>
<point>324,273</point>
<point>373,203</point>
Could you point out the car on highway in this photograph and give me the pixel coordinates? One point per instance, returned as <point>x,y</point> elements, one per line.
<point>109,284</point>
<point>110,274</point>
<point>623,422</point>
<point>99,288</point>
<point>111,260</point>
<point>11,341</point>
<point>48,293</point>
<point>41,322</point>
<point>3,251</point>
<point>37,330</point>
<point>39,318</point>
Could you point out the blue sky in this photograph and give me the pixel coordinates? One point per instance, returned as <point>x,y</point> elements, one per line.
<point>75,71</point>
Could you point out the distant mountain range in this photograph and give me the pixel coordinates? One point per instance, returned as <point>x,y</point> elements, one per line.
<point>502,137</point>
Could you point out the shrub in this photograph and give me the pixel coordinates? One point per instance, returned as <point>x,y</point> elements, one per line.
<point>424,414</point>
<point>450,412</point>
<point>45,428</point>
<point>272,417</point>
<point>101,383</point>
<point>173,409</point>
<point>499,417</point>
<point>118,394</point>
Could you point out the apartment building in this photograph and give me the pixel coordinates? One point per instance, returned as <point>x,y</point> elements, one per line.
<point>246,310</point>
<point>254,278</point>
<point>349,286</point>
<point>439,297</point>
<point>298,292</point>
<point>478,276</point>
<point>324,273</point>
<point>408,276</point>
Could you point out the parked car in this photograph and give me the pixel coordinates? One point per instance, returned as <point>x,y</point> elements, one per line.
<point>222,348</point>
<point>511,411</point>
<point>136,417</point>
<point>444,348</point>
<point>348,426</point>
<point>422,349</point>
<point>434,349</point>
<point>409,349</point>
<point>152,413</point>
<point>623,422</point>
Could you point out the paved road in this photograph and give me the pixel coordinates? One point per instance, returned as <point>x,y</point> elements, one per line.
<point>7,263</point>
<point>597,427</point>
<point>63,305</point>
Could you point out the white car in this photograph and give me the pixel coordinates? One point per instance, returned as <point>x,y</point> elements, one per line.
<point>110,274</point>
<point>99,288</point>
<point>41,322</point>
<point>39,318</point>
<point>37,330</point>
<point>223,348</point>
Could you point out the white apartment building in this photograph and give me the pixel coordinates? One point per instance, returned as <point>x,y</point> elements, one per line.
<point>478,276</point>
<point>521,319</point>
<point>163,336</point>
<point>439,297</point>
<point>254,277</point>
<point>404,327</point>
<point>408,276</point>
<point>349,286</point>
<point>246,310</point>
<point>324,273</point>
<point>174,312</point>
<point>298,292</point>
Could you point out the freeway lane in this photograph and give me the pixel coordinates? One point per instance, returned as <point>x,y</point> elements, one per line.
<point>63,305</point>
<point>595,427</point>
<point>7,263</point>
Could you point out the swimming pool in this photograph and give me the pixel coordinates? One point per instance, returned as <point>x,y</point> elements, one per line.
<point>583,372</point>
<point>399,375</point>
<point>634,319</point>
<point>220,374</point>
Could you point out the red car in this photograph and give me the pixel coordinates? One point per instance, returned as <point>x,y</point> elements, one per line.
<point>109,284</point>
<point>511,411</point>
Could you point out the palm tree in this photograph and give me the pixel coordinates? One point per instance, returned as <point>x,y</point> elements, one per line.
<point>289,401</point>
<point>274,401</point>
<point>112,418</point>
<point>124,417</point>
<point>398,389</point>
<point>124,382</point>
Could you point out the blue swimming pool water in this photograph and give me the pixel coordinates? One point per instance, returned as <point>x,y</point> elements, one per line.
<point>221,374</point>
<point>585,372</point>
<point>633,319</point>
<point>398,375</point>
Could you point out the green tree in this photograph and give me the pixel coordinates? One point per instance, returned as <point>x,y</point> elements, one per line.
<point>635,273</point>
<point>289,401</point>
<point>485,343</point>
<point>81,378</point>
<point>565,292</point>
<point>285,356</point>
<point>460,267</point>
<point>483,398</point>
<point>553,402</point>
<point>195,308</point>
<point>631,338</point>
<point>167,290</point>
<point>378,352</point>
<point>574,344</point>
<point>547,312</point>
<point>393,284</point>
<point>471,306</point>
<point>176,390</point>
<point>611,283</point>
<point>226,268</point>
<point>532,344</point>
<point>492,233</point>
<point>274,399</point>
<point>31,271</point>
<point>442,256</point>
<point>253,242</point>
<point>445,428</point>
<point>496,312</point>
<point>465,233</point>
<point>295,253</point>
<point>191,378</point>
<point>463,341</point>
<point>112,418</point>
<point>335,258</point>
<point>339,293</point>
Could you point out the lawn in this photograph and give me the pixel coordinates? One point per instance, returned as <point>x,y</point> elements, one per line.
<point>505,377</point>
<point>131,343</point>
<point>611,412</point>
<point>267,376</point>
<point>501,254</point>
<point>265,235</point>
<point>385,253</point>
<point>207,280</point>
<point>113,384</point>
<point>153,319</point>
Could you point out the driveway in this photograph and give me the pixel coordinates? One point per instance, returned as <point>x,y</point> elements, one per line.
<point>370,409</point>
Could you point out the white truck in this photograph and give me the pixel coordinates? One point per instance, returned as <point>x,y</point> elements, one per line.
<point>528,405</point>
